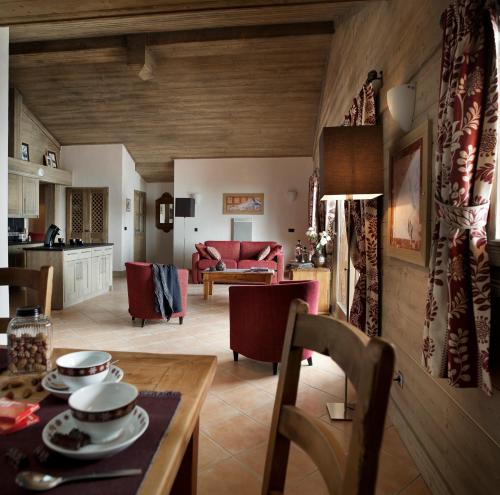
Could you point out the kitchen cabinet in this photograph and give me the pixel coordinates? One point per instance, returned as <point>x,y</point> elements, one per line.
<point>23,196</point>
<point>79,273</point>
<point>102,269</point>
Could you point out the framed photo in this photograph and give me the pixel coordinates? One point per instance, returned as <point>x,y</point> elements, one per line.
<point>25,152</point>
<point>128,204</point>
<point>409,190</point>
<point>243,204</point>
<point>52,159</point>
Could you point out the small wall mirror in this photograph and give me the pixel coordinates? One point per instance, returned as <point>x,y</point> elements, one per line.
<point>165,212</point>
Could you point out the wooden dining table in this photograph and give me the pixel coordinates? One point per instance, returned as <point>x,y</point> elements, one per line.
<point>174,467</point>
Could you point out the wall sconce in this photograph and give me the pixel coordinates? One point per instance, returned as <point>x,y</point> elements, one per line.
<point>197,197</point>
<point>292,195</point>
<point>401,103</point>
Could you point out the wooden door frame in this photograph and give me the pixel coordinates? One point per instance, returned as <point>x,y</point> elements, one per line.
<point>143,194</point>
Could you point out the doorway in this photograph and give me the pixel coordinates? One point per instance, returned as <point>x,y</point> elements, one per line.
<point>87,214</point>
<point>139,226</point>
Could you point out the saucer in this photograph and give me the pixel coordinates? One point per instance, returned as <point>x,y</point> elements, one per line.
<point>64,423</point>
<point>114,375</point>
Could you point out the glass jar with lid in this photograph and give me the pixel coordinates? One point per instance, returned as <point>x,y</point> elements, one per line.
<point>29,341</point>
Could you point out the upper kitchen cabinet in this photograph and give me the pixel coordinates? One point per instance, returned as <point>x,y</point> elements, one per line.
<point>23,196</point>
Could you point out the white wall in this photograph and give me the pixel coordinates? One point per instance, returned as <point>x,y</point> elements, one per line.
<point>159,244</point>
<point>4,102</point>
<point>131,181</point>
<point>108,165</point>
<point>211,178</point>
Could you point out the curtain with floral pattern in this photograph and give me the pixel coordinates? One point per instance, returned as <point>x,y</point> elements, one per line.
<point>362,218</point>
<point>458,310</point>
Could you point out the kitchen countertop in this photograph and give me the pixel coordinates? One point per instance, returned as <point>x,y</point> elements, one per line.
<point>68,247</point>
<point>22,243</point>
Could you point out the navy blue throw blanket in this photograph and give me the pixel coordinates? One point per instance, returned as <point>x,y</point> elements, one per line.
<point>167,290</point>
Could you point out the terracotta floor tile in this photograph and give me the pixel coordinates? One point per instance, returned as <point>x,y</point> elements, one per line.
<point>237,434</point>
<point>216,410</point>
<point>299,463</point>
<point>394,474</point>
<point>312,484</point>
<point>228,477</point>
<point>210,452</point>
<point>246,397</point>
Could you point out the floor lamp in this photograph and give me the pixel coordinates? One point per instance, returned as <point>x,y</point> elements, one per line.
<point>351,168</point>
<point>184,207</point>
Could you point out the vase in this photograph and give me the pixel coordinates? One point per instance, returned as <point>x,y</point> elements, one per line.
<point>318,259</point>
<point>220,266</point>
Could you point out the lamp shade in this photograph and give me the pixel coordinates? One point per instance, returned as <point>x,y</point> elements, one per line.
<point>351,162</point>
<point>184,207</point>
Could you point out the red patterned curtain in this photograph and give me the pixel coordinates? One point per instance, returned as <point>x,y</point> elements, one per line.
<point>361,216</point>
<point>458,312</point>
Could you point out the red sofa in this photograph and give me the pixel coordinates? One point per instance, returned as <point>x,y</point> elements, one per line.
<point>238,254</point>
<point>258,316</point>
<point>140,289</point>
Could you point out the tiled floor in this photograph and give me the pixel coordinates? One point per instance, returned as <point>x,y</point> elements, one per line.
<point>236,416</point>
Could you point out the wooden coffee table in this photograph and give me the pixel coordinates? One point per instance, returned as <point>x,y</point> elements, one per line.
<point>234,275</point>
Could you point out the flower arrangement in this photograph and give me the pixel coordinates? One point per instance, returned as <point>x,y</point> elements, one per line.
<point>317,241</point>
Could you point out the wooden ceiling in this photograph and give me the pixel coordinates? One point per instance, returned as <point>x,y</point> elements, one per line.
<point>210,79</point>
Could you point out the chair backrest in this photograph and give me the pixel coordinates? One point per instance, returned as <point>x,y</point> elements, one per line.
<point>368,364</point>
<point>38,280</point>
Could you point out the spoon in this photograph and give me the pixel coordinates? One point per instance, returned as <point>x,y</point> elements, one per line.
<point>40,482</point>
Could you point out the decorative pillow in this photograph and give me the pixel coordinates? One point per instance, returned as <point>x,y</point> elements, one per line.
<point>202,250</point>
<point>274,251</point>
<point>262,254</point>
<point>214,254</point>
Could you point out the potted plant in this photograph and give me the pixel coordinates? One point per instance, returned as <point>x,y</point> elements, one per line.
<point>318,243</point>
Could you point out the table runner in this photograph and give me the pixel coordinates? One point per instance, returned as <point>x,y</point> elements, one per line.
<point>160,407</point>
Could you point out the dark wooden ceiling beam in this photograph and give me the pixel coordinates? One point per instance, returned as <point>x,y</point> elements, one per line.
<point>129,21</point>
<point>174,37</point>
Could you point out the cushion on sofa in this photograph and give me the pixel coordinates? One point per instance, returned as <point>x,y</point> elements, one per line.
<point>204,264</point>
<point>255,263</point>
<point>227,249</point>
<point>202,250</point>
<point>263,254</point>
<point>274,251</point>
<point>250,249</point>
<point>214,253</point>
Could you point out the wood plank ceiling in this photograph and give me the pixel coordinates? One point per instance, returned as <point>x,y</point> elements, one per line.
<point>222,79</point>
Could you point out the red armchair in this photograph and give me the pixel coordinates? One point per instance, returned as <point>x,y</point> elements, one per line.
<point>140,289</point>
<point>258,315</point>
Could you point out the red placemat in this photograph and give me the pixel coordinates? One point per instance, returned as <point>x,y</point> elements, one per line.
<point>160,407</point>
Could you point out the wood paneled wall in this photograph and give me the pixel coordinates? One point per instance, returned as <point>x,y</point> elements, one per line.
<point>24,127</point>
<point>453,434</point>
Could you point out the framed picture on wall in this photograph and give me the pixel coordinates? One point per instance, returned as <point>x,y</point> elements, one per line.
<point>243,204</point>
<point>52,159</point>
<point>25,152</point>
<point>409,188</point>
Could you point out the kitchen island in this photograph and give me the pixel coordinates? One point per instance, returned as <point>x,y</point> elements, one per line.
<point>80,272</point>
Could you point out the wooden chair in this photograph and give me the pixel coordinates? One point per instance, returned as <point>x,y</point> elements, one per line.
<point>37,280</point>
<point>369,364</point>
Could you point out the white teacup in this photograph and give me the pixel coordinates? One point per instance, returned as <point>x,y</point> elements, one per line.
<point>82,368</point>
<point>103,410</point>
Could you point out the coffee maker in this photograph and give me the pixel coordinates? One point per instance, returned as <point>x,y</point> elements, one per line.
<point>50,235</point>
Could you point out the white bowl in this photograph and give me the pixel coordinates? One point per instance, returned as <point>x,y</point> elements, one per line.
<point>82,368</point>
<point>103,410</point>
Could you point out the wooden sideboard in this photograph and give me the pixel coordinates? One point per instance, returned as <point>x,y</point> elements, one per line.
<point>322,275</point>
